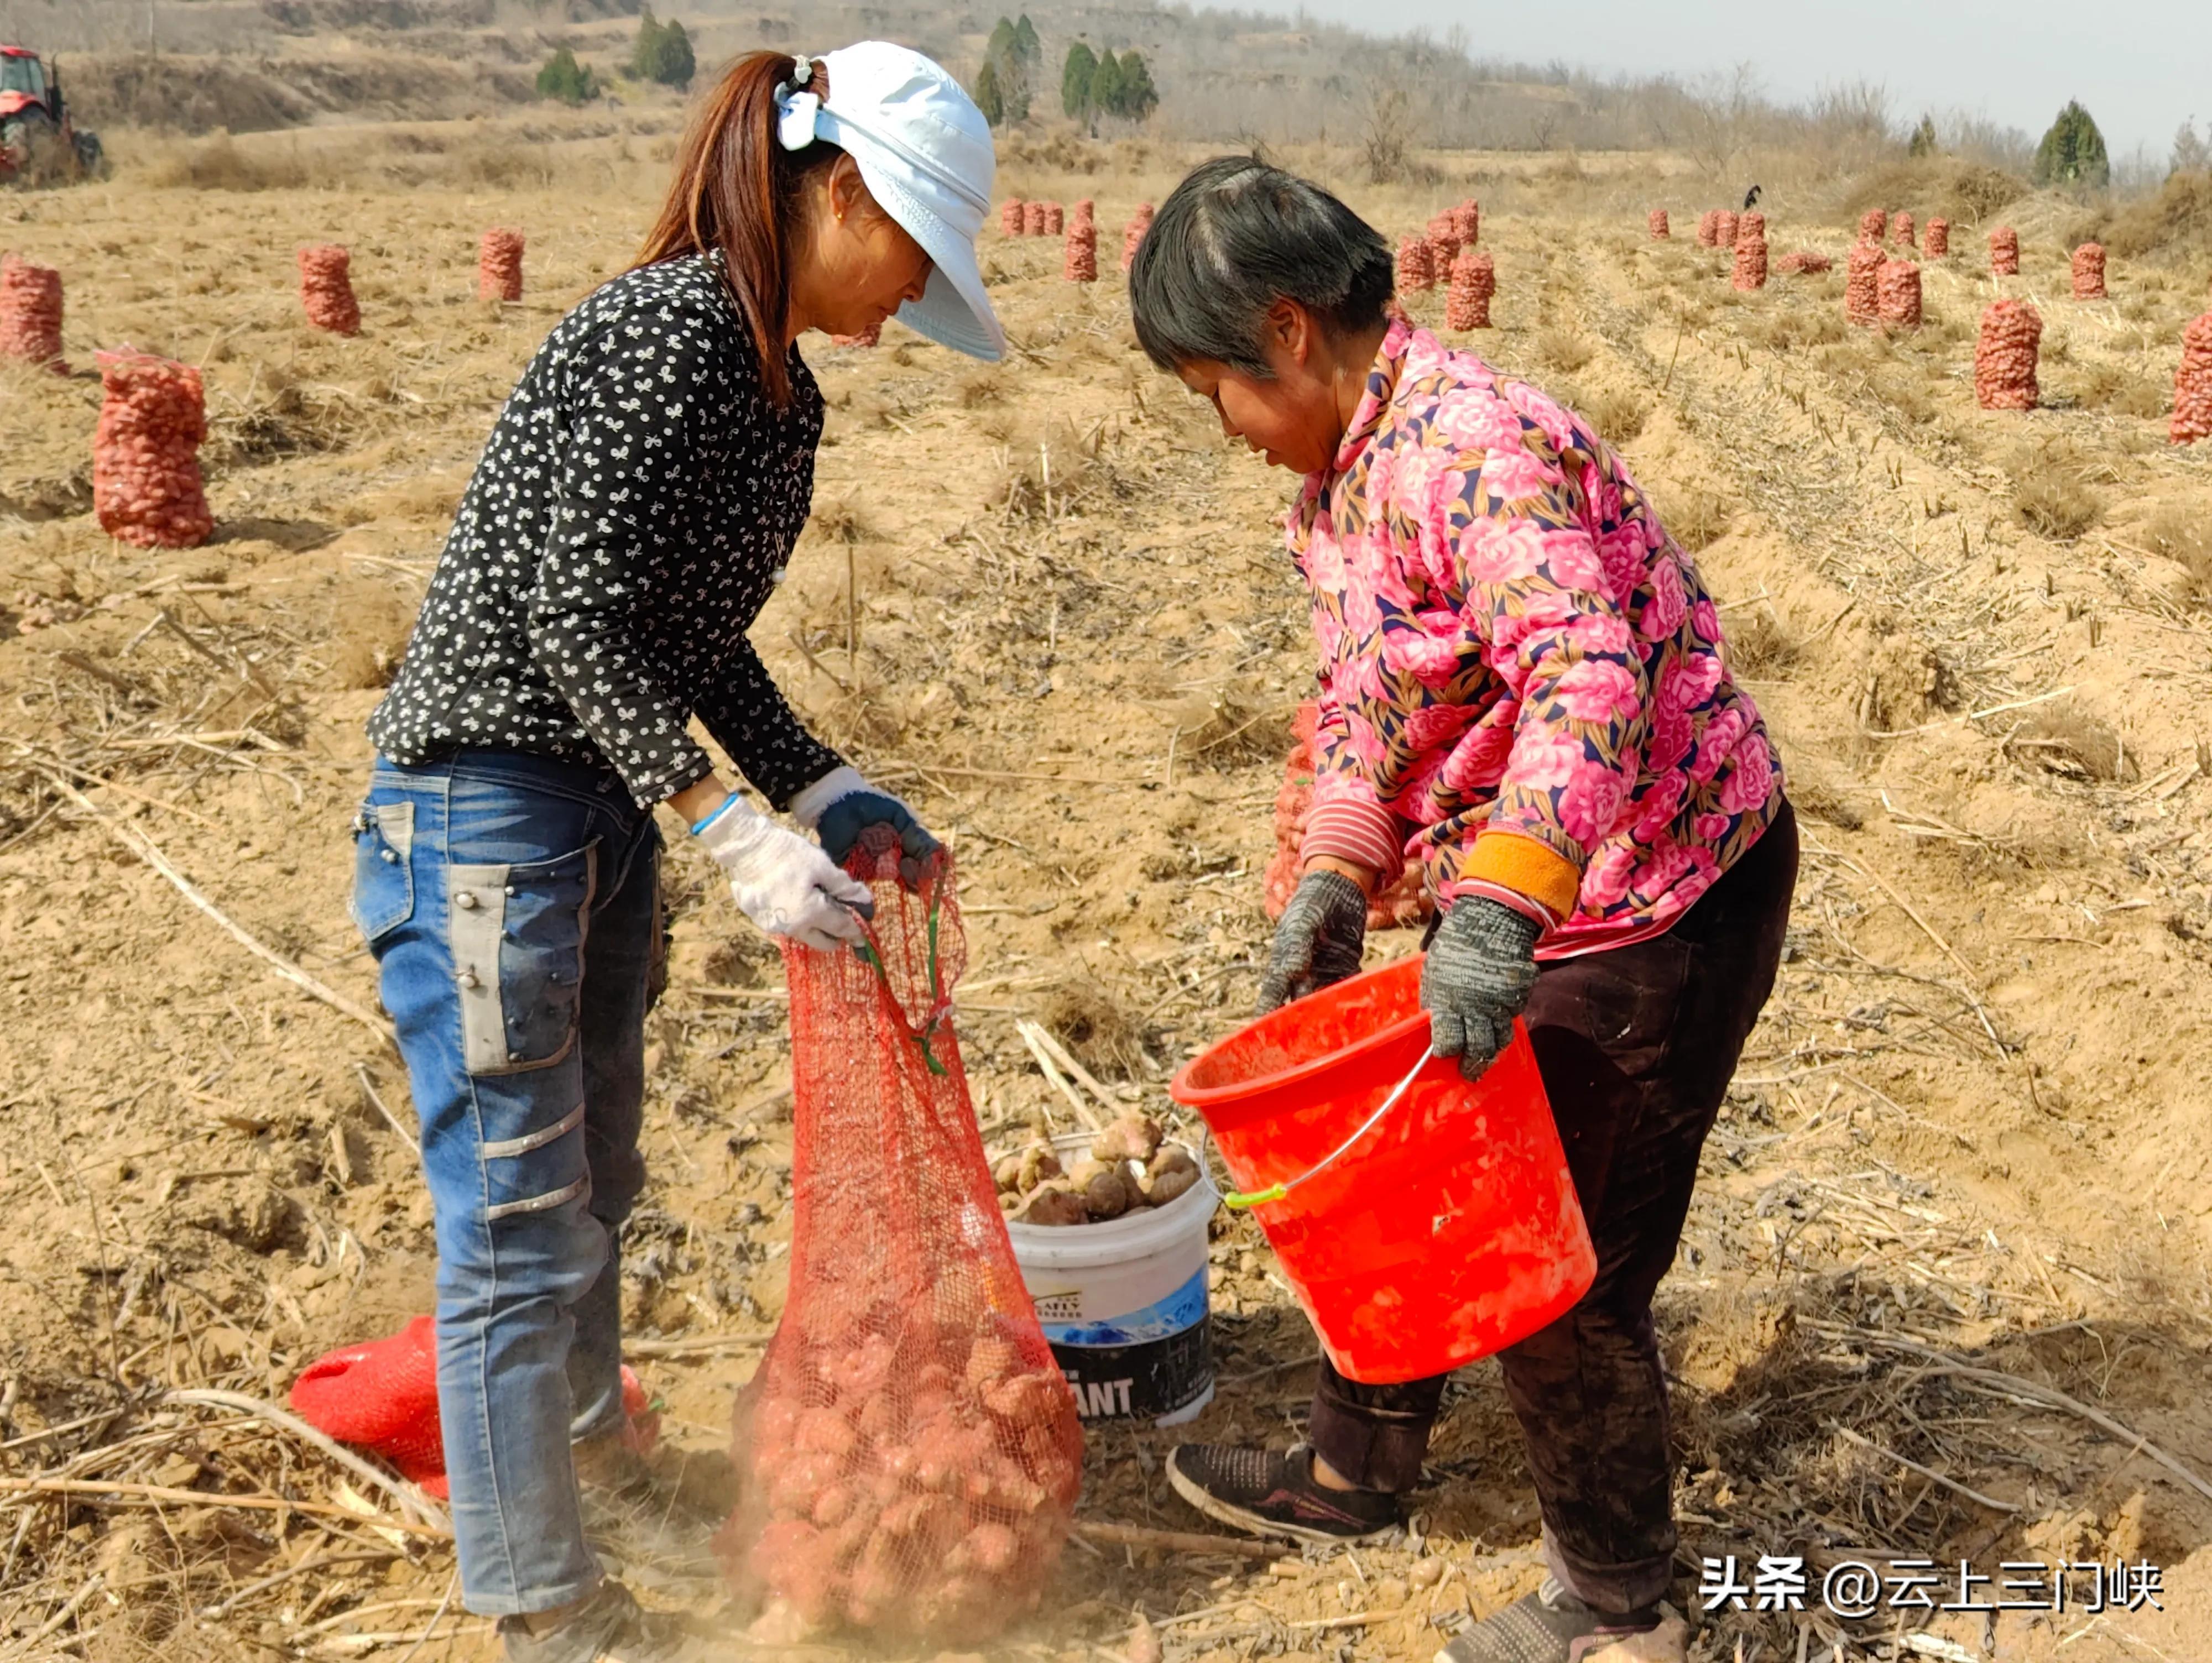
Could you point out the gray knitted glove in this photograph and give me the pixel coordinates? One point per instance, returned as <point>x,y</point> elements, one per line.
<point>1481,967</point>
<point>1318,940</point>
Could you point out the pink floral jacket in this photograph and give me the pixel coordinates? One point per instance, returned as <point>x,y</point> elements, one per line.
<point>1522,675</point>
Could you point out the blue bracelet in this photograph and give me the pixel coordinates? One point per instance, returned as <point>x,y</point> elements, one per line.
<point>727,804</point>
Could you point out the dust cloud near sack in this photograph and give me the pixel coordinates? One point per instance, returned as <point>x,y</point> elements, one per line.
<point>1474,281</point>
<point>1750,271</point>
<point>2089,271</point>
<point>1862,284</point>
<point>1415,271</point>
<point>1134,234</point>
<point>1656,223</point>
<point>2004,252</point>
<point>1011,216</point>
<point>2192,384</point>
<point>2004,356</point>
<point>499,266</point>
<point>326,289</point>
<point>1935,240</point>
<point>146,484</point>
<point>1079,259</point>
<point>1899,294</point>
<point>31,313</point>
<point>1900,228</point>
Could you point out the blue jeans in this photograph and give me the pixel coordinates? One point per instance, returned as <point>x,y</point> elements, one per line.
<point>479,882</point>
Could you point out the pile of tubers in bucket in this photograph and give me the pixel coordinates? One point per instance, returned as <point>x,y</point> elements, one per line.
<point>1129,1167</point>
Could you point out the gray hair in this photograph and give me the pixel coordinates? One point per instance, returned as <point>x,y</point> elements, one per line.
<point>1237,236</point>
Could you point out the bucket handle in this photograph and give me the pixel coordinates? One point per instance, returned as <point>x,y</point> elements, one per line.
<point>1240,1200</point>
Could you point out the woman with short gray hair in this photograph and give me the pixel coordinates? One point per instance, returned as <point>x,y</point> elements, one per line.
<point>1524,687</point>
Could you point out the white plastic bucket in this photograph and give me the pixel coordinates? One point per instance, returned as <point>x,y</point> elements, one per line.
<point>1123,1303</point>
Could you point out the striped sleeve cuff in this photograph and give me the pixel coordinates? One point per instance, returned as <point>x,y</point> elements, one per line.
<point>1523,866</point>
<point>1366,833</point>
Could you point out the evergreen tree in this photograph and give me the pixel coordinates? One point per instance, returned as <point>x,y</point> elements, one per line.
<point>1140,98</point>
<point>2073,151</point>
<point>1923,138</point>
<point>663,52</point>
<point>1010,67</point>
<point>1027,43</point>
<point>985,93</point>
<point>565,79</point>
<point>1075,81</point>
<point>1106,85</point>
<point>1000,45</point>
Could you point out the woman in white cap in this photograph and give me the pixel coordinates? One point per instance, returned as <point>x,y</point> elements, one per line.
<point>635,506</point>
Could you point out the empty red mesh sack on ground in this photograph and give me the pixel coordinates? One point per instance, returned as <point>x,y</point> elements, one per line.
<point>1708,224</point>
<point>1079,261</point>
<point>1899,294</point>
<point>1803,261</point>
<point>1010,216</point>
<point>1862,284</point>
<point>499,266</point>
<point>1874,225</point>
<point>1033,219</point>
<point>1055,219</point>
<point>1406,901</point>
<point>1473,282</point>
<point>910,1450</point>
<point>146,483</point>
<point>326,289</point>
<point>2089,271</point>
<point>1414,270</point>
<point>872,336</point>
<point>2192,384</point>
<point>1935,238</point>
<point>1750,271</point>
<point>1656,223</point>
<point>381,1396</point>
<point>31,313</point>
<point>1134,234</point>
<point>1900,228</point>
<point>2004,356</point>
<point>2004,252</point>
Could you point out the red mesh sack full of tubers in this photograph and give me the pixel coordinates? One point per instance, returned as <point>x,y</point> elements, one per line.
<point>1467,222</point>
<point>1900,228</point>
<point>2005,354</point>
<point>1055,219</point>
<point>1873,224</point>
<point>2089,271</point>
<point>1134,234</point>
<point>1898,284</point>
<point>146,484</point>
<point>910,1452</point>
<point>1033,219</point>
<point>1078,262</point>
<point>1724,228</point>
<point>499,265</point>
<point>2192,384</point>
<point>1935,238</point>
<point>1750,272</point>
<point>1474,284</point>
<point>1862,284</point>
<point>1010,216</point>
<point>1708,223</point>
<point>2004,252</point>
<point>1415,272</point>
<point>1655,223</point>
<point>31,313</point>
<point>326,289</point>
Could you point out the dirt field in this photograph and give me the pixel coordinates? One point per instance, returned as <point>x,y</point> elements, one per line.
<point>1952,1235</point>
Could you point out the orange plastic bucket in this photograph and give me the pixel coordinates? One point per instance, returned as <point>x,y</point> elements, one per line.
<point>1449,1230</point>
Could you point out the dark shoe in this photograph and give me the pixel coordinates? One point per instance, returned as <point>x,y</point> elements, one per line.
<point>1553,1626</point>
<point>1274,1493</point>
<point>610,1627</point>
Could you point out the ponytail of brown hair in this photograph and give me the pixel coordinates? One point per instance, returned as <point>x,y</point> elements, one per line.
<point>737,189</point>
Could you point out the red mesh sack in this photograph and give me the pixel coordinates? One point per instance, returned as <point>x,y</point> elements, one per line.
<point>1134,232</point>
<point>146,483</point>
<point>1802,262</point>
<point>1935,238</point>
<point>2004,356</point>
<point>1862,284</point>
<point>1414,271</point>
<point>326,289</point>
<point>1055,219</point>
<point>1033,218</point>
<point>1406,901</point>
<point>1897,285</point>
<point>2004,252</point>
<point>1473,282</point>
<point>2192,384</point>
<point>382,1396</point>
<point>1706,221</point>
<point>1466,221</point>
<point>1078,262</point>
<point>1010,217</point>
<point>910,1450</point>
<point>499,266</point>
<point>1873,224</point>
<point>1900,228</point>
<point>31,313</point>
<point>2089,271</point>
<point>1724,228</point>
<point>1656,223</point>
<point>1443,234</point>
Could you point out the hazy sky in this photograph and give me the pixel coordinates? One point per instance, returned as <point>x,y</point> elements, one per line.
<point>2141,68</point>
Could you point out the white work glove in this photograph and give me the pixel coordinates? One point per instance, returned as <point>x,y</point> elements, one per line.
<point>782,881</point>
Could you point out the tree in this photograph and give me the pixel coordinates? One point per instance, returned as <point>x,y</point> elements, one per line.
<point>1923,138</point>
<point>565,79</point>
<point>1026,42</point>
<point>1011,64</point>
<point>2073,151</point>
<point>1106,85</point>
<point>1140,98</point>
<point>2192,155</point>
<point>987,95</point>
<point>664,52</point>
<point>1075,81</point>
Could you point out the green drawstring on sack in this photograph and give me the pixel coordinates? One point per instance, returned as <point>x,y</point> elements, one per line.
<point>870,953</point>
<point>1242,1200</point>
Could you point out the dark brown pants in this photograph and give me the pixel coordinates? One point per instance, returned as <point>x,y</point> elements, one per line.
<point>1637,1046</point>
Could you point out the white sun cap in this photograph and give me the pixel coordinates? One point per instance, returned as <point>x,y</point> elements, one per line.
<point>924,151</point>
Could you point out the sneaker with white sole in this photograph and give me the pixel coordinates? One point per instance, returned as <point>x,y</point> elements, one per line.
<point>610,1627</point>
<point>1265,1492</point>
<point>1553,1626</point>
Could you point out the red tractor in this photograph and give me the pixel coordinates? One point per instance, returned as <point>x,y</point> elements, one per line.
<point>37,139</point>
